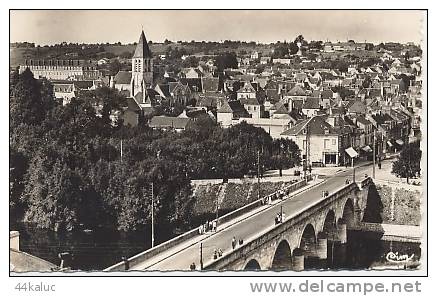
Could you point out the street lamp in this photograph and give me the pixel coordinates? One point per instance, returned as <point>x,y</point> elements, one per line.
<point>259,194</point>
<point>217,205</point>
<point>153,222</point>
<point>374,153</point>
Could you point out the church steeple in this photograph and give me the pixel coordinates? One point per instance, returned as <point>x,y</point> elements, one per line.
<point>142,67</point>
<point>142,50</point>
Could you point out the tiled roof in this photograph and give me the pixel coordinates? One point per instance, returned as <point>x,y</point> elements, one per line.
<point>209,99</point>
<point>132,105</point>
<point>280,108</point>
<point>247,87</point>
<point>123,77</point>
<point>363,120</point>
<point>357,107</point>
<point>211,84</point>
<point>315,126</point>
<point>311,103</point>
<point>169,122</point>
<point>297,91</point>
<point>249,101</point>
<point>327,94</point>
<point>232,107</point>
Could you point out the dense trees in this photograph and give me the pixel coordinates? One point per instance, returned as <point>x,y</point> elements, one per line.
<point>226,60</point>
<point>408,163</point>
<point>66,169</point>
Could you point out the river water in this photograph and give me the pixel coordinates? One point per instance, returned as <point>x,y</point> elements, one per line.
<point>100,249</point>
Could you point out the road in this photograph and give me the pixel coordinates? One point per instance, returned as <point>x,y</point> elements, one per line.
<point>252,225</point>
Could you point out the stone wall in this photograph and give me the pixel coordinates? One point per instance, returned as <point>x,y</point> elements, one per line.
<point>394,205</point>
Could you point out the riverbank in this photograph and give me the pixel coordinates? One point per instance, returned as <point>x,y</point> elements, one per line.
<point>391,232</point>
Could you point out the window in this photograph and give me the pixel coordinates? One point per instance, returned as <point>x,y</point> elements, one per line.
<point>325,143</point>
<point>304,144</point>
<point>334,142</point>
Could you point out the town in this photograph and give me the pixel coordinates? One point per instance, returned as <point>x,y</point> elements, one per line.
<point>181,139</point>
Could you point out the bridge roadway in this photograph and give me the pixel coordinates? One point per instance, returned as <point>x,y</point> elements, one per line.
<point>250,226</point>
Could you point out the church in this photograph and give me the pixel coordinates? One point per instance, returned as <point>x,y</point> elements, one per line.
<point>135,83</point>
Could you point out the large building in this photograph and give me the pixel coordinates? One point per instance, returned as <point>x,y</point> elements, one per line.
<point>61,69</point>
<point>135,82</point>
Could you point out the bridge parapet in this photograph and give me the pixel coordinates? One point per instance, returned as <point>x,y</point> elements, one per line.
<point>360,200</point>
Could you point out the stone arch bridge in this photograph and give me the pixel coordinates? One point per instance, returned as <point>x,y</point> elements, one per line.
<point>289,244</point>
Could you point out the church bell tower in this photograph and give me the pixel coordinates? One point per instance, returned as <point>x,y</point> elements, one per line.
<point>142,67</point>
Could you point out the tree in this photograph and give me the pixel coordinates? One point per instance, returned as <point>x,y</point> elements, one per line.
<point>190,61</point>
<point>408,163</point>
<point>286,154</point>
<point>225,61</point>
<point>114,66</point>
<point>18,165</point>
<point>27,102</point>
<point>54,193</point>
<point>315,45</point>
<point>293,48</point>
<point>299,39</point>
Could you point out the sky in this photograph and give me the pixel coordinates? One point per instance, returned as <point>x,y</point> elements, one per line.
<point>101,26</point>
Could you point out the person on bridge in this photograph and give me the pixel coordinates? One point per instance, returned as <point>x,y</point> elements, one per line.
<point>234,242</point>
<point>214,226</point>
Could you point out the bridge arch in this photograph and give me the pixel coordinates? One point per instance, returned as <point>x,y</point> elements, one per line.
<point>307,241</point>
<point>329,224</point>
<point>282,257</point>
<point>253,264</point>
<point>348,212</point>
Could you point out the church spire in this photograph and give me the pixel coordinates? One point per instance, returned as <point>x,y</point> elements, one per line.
<point>142,50</point>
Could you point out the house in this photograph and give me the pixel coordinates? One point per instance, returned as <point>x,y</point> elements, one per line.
<point>356,107</point>
<point>246,92</point>
<point>311,106</point>
<point>264,60</point>
<point>273,126</point>
<point>254,55</point>
<point>170,123</point>
<point>297,93</point>
<point>253,107</point>
<point>282,61</point>
<point>209,100</point>
<point>64,92</point>
<point>325,142</point>
<point>191,73</point>
<point>210,84</point>
<point>132,113</point>
<point>230,110</point>
<point>180,93</point>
